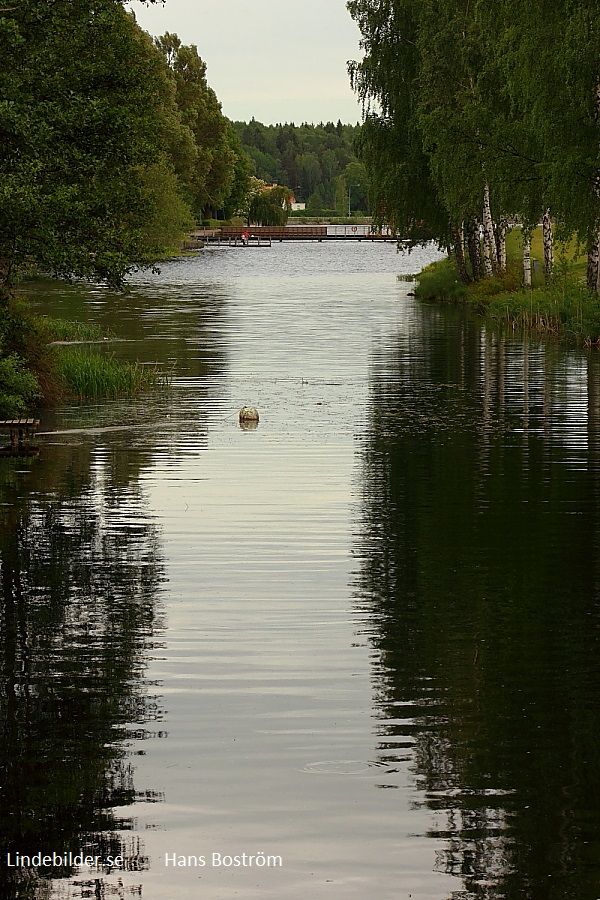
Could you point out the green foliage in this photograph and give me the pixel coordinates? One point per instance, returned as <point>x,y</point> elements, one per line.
<point>81,119</point>
<point>314,204</point>
<point>170,216</point>
<point>308,158</point>
<point>471,93</point>
<point>270,206</point>
<point>403,193</point>
<point>440,281</point>
<point>109,145</point>
<point>239,189</point>
<point>214,170</point>
<point>19,388</point>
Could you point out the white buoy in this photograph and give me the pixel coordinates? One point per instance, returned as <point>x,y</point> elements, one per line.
<point>248,414</point>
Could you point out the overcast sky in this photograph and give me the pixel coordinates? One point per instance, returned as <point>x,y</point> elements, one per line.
<point>276,60</point>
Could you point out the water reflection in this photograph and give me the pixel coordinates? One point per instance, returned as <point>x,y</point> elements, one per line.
<point>81,573</point>
<point>475,490</point>
<point>479,583</point>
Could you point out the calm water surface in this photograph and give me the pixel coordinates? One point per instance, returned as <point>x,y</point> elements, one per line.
<point>363,637</point>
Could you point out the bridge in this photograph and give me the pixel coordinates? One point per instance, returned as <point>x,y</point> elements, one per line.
<point>264,235</point>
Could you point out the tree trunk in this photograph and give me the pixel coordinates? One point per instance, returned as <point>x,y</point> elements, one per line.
<point>474,246</point>
<point>459,253</point>
<point>593,261</point>
<point>489,241</point>
<point>5,282</point>
<point>593,265</point>
<point>501,244</point>
<point>548,246</point>
<point>527,258</point>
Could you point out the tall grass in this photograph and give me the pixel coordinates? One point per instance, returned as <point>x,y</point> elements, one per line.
<point>91,375</point>
<point>52,329</point>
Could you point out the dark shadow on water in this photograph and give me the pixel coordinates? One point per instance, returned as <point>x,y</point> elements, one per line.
<point>81,574</point>
<point>479,586</point>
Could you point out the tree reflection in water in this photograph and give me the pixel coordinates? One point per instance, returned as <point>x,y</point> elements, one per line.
<point>81,573</point>
<point>480,585</point>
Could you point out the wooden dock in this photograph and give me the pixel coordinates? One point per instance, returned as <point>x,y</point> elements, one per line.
<point>236,240</point>
<point>265,235</point>
<point>20,432</point>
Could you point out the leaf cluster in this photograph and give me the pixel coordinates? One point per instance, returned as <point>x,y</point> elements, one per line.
<point>473,92</point>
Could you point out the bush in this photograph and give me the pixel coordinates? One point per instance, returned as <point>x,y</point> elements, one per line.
<point>440,281</point>
<point>19,388</point>
<point>23,361</point>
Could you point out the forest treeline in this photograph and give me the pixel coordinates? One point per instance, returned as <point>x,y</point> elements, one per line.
<point>317,162</point>
<point>479,115</point>
<point>111,144</point>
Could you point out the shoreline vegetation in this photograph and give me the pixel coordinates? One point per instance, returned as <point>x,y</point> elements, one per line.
<point>54,360</point>
<point>562,307</point>
<point>481,130</point>
<point>113,147</point>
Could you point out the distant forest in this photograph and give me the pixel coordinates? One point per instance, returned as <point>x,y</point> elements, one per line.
<point>317,162</point>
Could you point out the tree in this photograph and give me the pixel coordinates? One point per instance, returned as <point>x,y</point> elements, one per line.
<point>309,158</point>
<point>271,206</point>
<point>556,89</point>
<point>81,95</point>
<point>310,174</point>
<point>235,201</point>
<point>403,192</point>
<point>314,204</point>
<point>210,180</point>
<point>480,111</point>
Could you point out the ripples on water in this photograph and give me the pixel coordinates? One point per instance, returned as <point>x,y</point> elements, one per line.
<point>363,636</point>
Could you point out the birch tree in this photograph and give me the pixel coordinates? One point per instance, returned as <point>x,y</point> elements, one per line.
<point>403,193</point>
<point>552,68</point>
<point>490,109</point>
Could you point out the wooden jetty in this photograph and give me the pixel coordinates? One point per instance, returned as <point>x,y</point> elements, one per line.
<point>264,235</point>
<point>20,432</point>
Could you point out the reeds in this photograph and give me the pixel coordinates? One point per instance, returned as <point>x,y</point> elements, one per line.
<point>91,375</point>
<point>64,330</point>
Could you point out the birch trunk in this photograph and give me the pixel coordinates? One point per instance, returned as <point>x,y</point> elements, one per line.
<point>489,241</point>
<point>593,265</point>
<point>474,245</point>
<point>501,244</point>
<point>548,246</point>
<point>527,258</point>
<point>459,253</point>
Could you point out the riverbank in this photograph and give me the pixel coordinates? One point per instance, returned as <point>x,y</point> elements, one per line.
<point>564,308</point>
<point>44,361</point>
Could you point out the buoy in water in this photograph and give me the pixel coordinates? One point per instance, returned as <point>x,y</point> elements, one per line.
<point>248,414</point>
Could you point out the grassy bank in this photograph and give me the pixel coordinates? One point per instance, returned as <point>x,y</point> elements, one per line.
<point>36,372</point>
<point>88,374</point>
<point>564,308</point>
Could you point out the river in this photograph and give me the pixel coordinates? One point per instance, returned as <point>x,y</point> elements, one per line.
<point>351,652</point>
